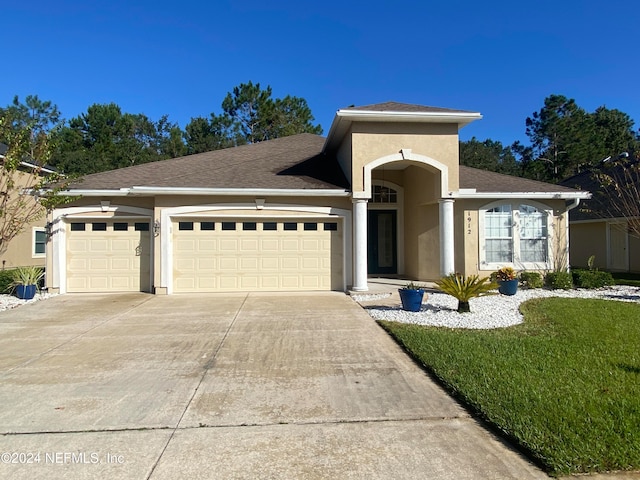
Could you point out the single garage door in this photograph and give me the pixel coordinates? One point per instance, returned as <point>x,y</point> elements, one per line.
<point>108,256</point>
<point>213,255</point>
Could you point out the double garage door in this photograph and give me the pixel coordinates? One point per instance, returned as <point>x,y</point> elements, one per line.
<point>226,254</point>
<point>108,256</point>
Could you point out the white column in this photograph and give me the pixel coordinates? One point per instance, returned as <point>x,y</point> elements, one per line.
<point>447,255</point>
<point>360,245</point>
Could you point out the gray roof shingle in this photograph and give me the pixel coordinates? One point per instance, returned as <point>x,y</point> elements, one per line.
<point>295,162</point>
<point>486,181</point>
<point>404,107</point>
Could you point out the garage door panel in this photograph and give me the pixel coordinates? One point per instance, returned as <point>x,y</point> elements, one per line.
<point>208,245</point>
<point>269,245</point>
<point>206,264</point>
<point>108,260</point>
<point>262,259</point>
<point>290,263</point>
<point>249,245</point>
<point>186,264</point>
<point>229,264</point>
<point>126,264</point>
<point>229,245</point>
<point>185,245</point>
<point>99,264</point>
<point>98,245</point>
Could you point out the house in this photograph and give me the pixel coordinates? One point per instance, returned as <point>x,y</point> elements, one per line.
<point>28,247</point>
<point>598,229</point>
<point>382,195</point>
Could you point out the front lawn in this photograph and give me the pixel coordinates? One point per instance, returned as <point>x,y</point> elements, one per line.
<point>565,384</point>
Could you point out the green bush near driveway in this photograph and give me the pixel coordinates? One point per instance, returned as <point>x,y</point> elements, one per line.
<point>564,385</point>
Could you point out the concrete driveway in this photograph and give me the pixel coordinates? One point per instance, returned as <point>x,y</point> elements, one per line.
<point>296,386</point>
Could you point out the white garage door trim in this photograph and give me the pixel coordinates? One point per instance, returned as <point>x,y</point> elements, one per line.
<point>170,215</point>
<point>59,235</point>
<point>109,254</point>
<point>228,254</point>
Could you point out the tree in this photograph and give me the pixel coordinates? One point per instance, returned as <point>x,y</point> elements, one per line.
<point>250,115</point>
<point>553,132</point>
<point>39,116</point>
<point>202,135</point>
<point>104,138</point>
<point>565,139</point>
<point>23,175</point>
<point>488,155</point>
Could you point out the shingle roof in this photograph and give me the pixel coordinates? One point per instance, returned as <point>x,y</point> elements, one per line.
<point>485,181</point>
<point>404,107</point>
<point>294,162</point>
<point>600,205</point>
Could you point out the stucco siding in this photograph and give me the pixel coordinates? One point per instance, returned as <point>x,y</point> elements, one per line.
<point>374,141</point>
<point>586,239</point>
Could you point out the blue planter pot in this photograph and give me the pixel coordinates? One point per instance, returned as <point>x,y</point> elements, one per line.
<point>25,292</point>
<point>411,299</point>
<point>508,287</point>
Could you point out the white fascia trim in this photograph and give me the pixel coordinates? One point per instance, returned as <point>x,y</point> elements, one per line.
<point>531,195</point>
<point>122,192</point>
<point>431,117</point>
<point>148,191</point>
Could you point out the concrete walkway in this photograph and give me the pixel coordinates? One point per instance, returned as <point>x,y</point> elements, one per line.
<point>233,386</point>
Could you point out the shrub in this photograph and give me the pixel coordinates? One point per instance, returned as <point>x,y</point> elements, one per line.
<point>531,280</point>
<point>6,279</point>
<point>558,280</point>
<point>592,278</point>
<point>465,288</point>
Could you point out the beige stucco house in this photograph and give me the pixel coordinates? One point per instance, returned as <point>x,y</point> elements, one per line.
<point>382,195</point>
<point>29,247</point>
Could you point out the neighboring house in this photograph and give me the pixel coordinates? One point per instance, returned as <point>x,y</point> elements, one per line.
<point>593,232</point>
<point>382,195</point>
<point>28,247</point>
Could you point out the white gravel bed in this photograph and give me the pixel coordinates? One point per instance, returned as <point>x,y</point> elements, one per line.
<point>7,302</point>
<point>492,311</point>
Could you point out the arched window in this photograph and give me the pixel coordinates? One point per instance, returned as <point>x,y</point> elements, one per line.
<point>514,234</point>
<point>382,194</point>
<point>533,235</point>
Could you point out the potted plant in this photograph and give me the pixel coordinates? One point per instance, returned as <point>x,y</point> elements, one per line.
<point>25,281</point>
<point>507,279</point>
<point>465,288</point>
<point>411,297</point>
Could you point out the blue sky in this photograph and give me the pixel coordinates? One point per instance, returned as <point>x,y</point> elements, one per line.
<point>180,58</point>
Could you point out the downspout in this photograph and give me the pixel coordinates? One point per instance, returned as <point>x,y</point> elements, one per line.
<point>574,203</point>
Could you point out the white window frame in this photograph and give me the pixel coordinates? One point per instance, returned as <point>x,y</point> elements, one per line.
<point>34,236</point>
<point>515,236</point>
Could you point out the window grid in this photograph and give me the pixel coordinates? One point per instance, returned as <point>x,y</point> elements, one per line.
<point>515,235</point>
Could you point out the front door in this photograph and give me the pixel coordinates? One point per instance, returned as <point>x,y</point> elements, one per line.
<point>382,245</point>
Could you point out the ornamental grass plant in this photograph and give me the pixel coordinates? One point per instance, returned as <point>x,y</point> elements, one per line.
<point>465,288</point>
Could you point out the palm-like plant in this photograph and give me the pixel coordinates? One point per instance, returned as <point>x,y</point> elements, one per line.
<point>465,288</point>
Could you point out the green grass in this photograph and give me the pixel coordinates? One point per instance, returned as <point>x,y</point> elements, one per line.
<point>564,385</point>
